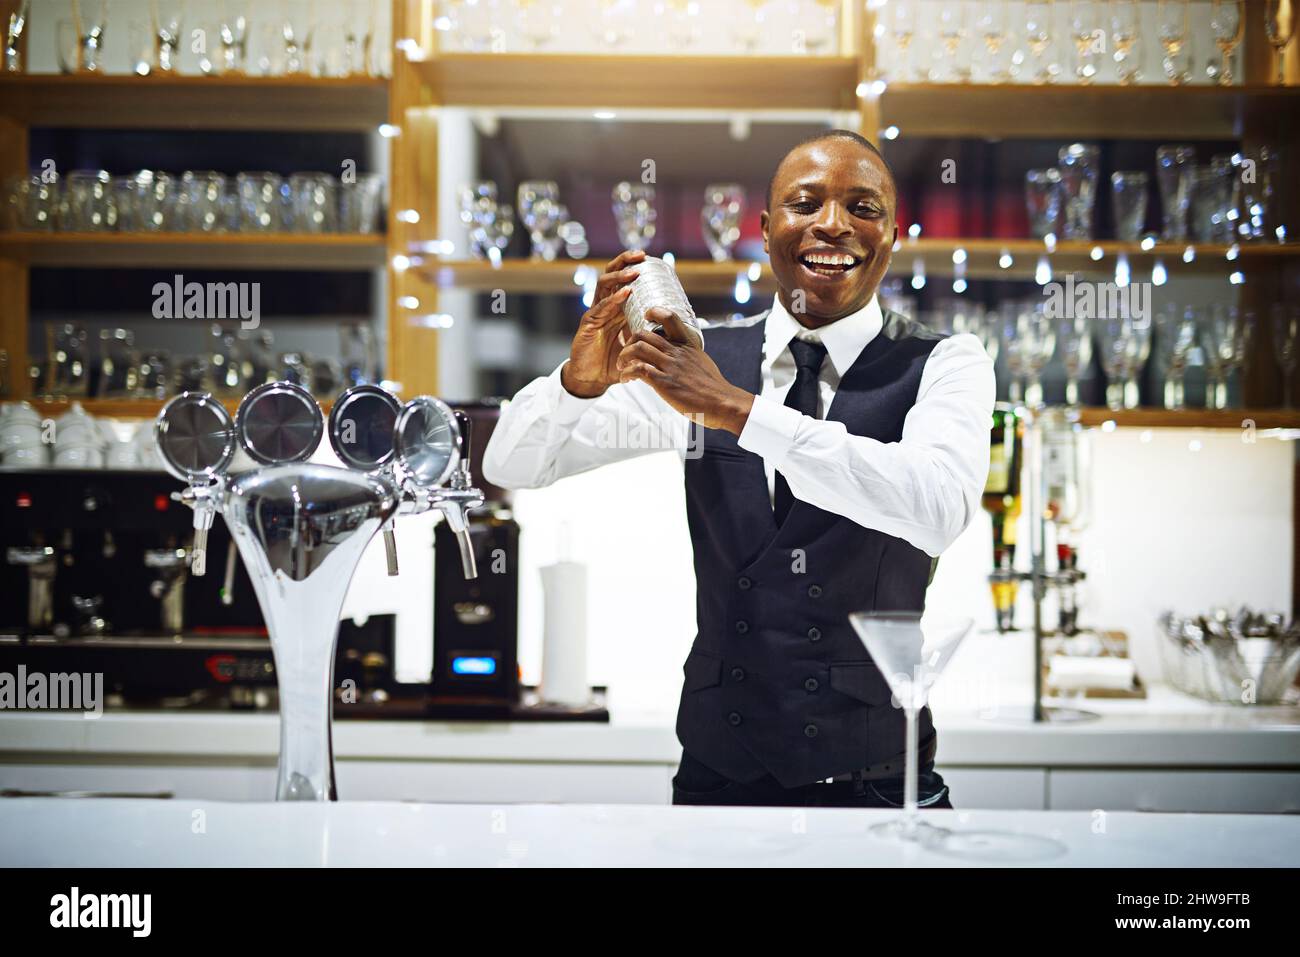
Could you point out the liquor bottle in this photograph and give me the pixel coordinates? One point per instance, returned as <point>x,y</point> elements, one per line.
<point>1002,500</point>
<point>1063,464</point>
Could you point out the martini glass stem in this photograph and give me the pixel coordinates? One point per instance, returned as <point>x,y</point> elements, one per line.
<point>909,776</point>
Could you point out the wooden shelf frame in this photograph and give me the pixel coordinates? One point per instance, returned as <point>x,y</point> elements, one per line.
<point>334,251</point>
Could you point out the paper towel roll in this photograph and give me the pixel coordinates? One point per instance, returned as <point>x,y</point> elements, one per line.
<point>564,634</point>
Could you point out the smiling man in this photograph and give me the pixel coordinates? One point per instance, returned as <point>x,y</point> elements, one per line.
<point>840,451</point>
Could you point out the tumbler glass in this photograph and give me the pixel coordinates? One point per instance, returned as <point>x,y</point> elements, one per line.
<point>261,198</point>
<point>315,202</point>
<point>88,205</point>
<point>1174,164</point>
<point>360,203</point>
<point>1078,164</point>
<point>202,205</point>
<point>1128,198</point>
<point>150,199</point>
<point>1043,199</point>
<point>36,202</point>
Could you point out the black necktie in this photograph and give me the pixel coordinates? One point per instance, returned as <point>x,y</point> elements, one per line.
<point>802,397</point>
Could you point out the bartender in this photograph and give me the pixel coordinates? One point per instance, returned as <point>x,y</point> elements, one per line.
<point>832,451</point>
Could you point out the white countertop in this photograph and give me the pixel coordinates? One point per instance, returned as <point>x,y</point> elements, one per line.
<point>1166,730</point>
<point>110,832</point>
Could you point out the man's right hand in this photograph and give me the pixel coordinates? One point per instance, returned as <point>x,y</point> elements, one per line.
<point>602,331</point>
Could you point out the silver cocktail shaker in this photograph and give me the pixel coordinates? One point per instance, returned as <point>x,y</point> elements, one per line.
<point>656,286</point>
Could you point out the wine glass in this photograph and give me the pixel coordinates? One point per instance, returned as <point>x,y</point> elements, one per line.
<point>1125,346</point>
<point>720,218</point>
<point>1176,333</point>
<point>1226,333</point>
<point>536,22</point>
<point>1031,348</point>
<point>1038,37</point>
<point>490,224</point>
<point>992,26</point>
<point>635,215</point>
<point>819,25</point>
<point>1074,341</point>
<point>1171,29</point>
<point>168,17</point>
<point>1125,23</point>
<point>900,24</point>
<point>1227,21</point>
<point>15,27</point>
<point>539,207</point>
<point>1089,39</point>
<point>911,653</point>
<point>1286,341</point>
<point>749,28</point>
<point>1279,26</point>
<point>951,31</point>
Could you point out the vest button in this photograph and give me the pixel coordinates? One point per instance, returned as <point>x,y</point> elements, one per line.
<point>738,674</point>
<point>814,634</point>
<point>742,627</point>
<point>811,685</point>
<point>734,718</point>
<point>744,583</point>
<point>810,730</point>
<point>814,591</point>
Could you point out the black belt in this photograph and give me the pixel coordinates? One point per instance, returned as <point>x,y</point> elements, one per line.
<point>893,768</point>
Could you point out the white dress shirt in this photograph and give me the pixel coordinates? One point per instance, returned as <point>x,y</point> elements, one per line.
<point>924,489</point>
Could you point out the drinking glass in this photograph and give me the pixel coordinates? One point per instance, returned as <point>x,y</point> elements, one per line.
<point>539,207</point>
<point>1038,37</point>
<point>489,223</point>
<point>1286,342</point>
<point>634,214</point>
<point>69,364</point>
<point>1279,27</point>
<point>1043,200</point>
<point>683,27</point>
<point>1128,198</point>
<point>720,218</point>
<point>1078,165</point>
<point>1089,39</point>
<point>1209,187</point>
<point>168,17</point>
<point>89,18</point>
<point>1227,22</point>
<point>1176,335</point>
<point>233,33</point>
<point>950,29</point>
<point>225,373</point>
<point>261,197</point>
<point>1029,349</point>
<point>360,203</point>
<point>992,26</point>
<point>201,202</point>
<point>315,204</point>
<point>88,202</point>
<point>327,50</point>
<point>37,202</point>
<point>140,46</point>
<point>119,364</point>
<point>1125,26</point>
<point>359,26</point>
<point>68,47</point>
<point>15,27</point>
<point>149,199</point>
<point>1226,333</point>
<point>613,22</point>
<point>1074,342</point>
<point>748,28</point>
<point>1259,198</point>
<point>899,21</point>
<point>1174,164</point>
<point>295,33</point>
<point>1125,347</point>
<point>1172,31</point>
<point>911,654</point>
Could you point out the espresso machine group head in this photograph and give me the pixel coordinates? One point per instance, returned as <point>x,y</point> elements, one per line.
<point>301,528</point>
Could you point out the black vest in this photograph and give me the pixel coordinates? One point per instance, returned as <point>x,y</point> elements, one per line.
<point>777,681</point>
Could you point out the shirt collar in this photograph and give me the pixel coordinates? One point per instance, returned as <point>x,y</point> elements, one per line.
<point>845,338</point>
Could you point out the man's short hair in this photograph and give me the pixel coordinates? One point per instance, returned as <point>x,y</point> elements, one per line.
<point>832,135</point>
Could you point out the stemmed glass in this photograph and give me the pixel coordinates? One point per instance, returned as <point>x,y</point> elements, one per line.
<point>911,653</point>
<point>1038,36</point>
<point>81,39</point>
<point>1174,165</point>
<point>1074,340</point>
<point>720,218</point>
<point>1227,21</point>
<point>536,22</point>
<point>233,31</point>
<point>295,31</point>
<point>1171,29</point>
<point>819,31</point>
<point>900,22</point>
<point>1177,335</point>
<point>539,207</point>
<point>951,31</point>
<point>1286,342</point>
<point>490,224</point>
<point>1089,44</point>
<point>749,28</point>
<point>1279,26</point>
<point>1226,333</point>
<point>15,26</point>
<point>991,24</point>
<point>1125,346</point>
<point>167,17</point>
<point>635,215</point>
<point>1030,345</point>
<point>1125,22</point>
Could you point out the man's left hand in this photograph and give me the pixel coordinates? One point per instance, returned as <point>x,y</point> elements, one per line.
<point>684,376</point>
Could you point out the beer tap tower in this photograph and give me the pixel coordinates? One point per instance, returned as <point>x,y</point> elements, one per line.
<point>301,528</point>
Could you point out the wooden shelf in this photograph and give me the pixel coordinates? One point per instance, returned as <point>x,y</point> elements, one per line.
<point>698,278</point>
<point>1083,112</point>
<point>1234,419</point>
<point>196,250</point>
<point>650,82</point>
<point>194,102</point>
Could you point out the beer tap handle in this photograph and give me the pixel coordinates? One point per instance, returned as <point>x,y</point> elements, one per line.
<point>204,510</point>
<point>228,586</point>
<point>457,520</point>
<point>390,548</point>
<point>464,477</point>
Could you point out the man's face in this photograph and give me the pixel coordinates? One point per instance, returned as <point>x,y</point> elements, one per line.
<point>829,229</point>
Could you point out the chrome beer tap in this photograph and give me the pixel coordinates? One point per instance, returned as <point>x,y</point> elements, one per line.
<point>302,528</point>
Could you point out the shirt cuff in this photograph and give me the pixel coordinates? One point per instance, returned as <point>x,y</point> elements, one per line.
<point>770,429</point>
<point>569,408</point>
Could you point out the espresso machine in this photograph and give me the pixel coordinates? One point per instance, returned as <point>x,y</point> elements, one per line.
<point>301,528</point>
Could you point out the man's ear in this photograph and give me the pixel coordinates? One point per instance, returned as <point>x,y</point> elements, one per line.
<point>895,239</point>
<point>764,220</point>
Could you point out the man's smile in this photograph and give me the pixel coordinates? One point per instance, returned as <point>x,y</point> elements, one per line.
<point>826,263</point>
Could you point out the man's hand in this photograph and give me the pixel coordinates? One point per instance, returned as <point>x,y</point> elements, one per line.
<point>602,331</point>
<point>684,376</point>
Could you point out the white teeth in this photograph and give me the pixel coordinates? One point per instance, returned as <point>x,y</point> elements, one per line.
<point>829,259</point>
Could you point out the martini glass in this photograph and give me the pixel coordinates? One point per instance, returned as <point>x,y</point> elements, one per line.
<point>911,654</point>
